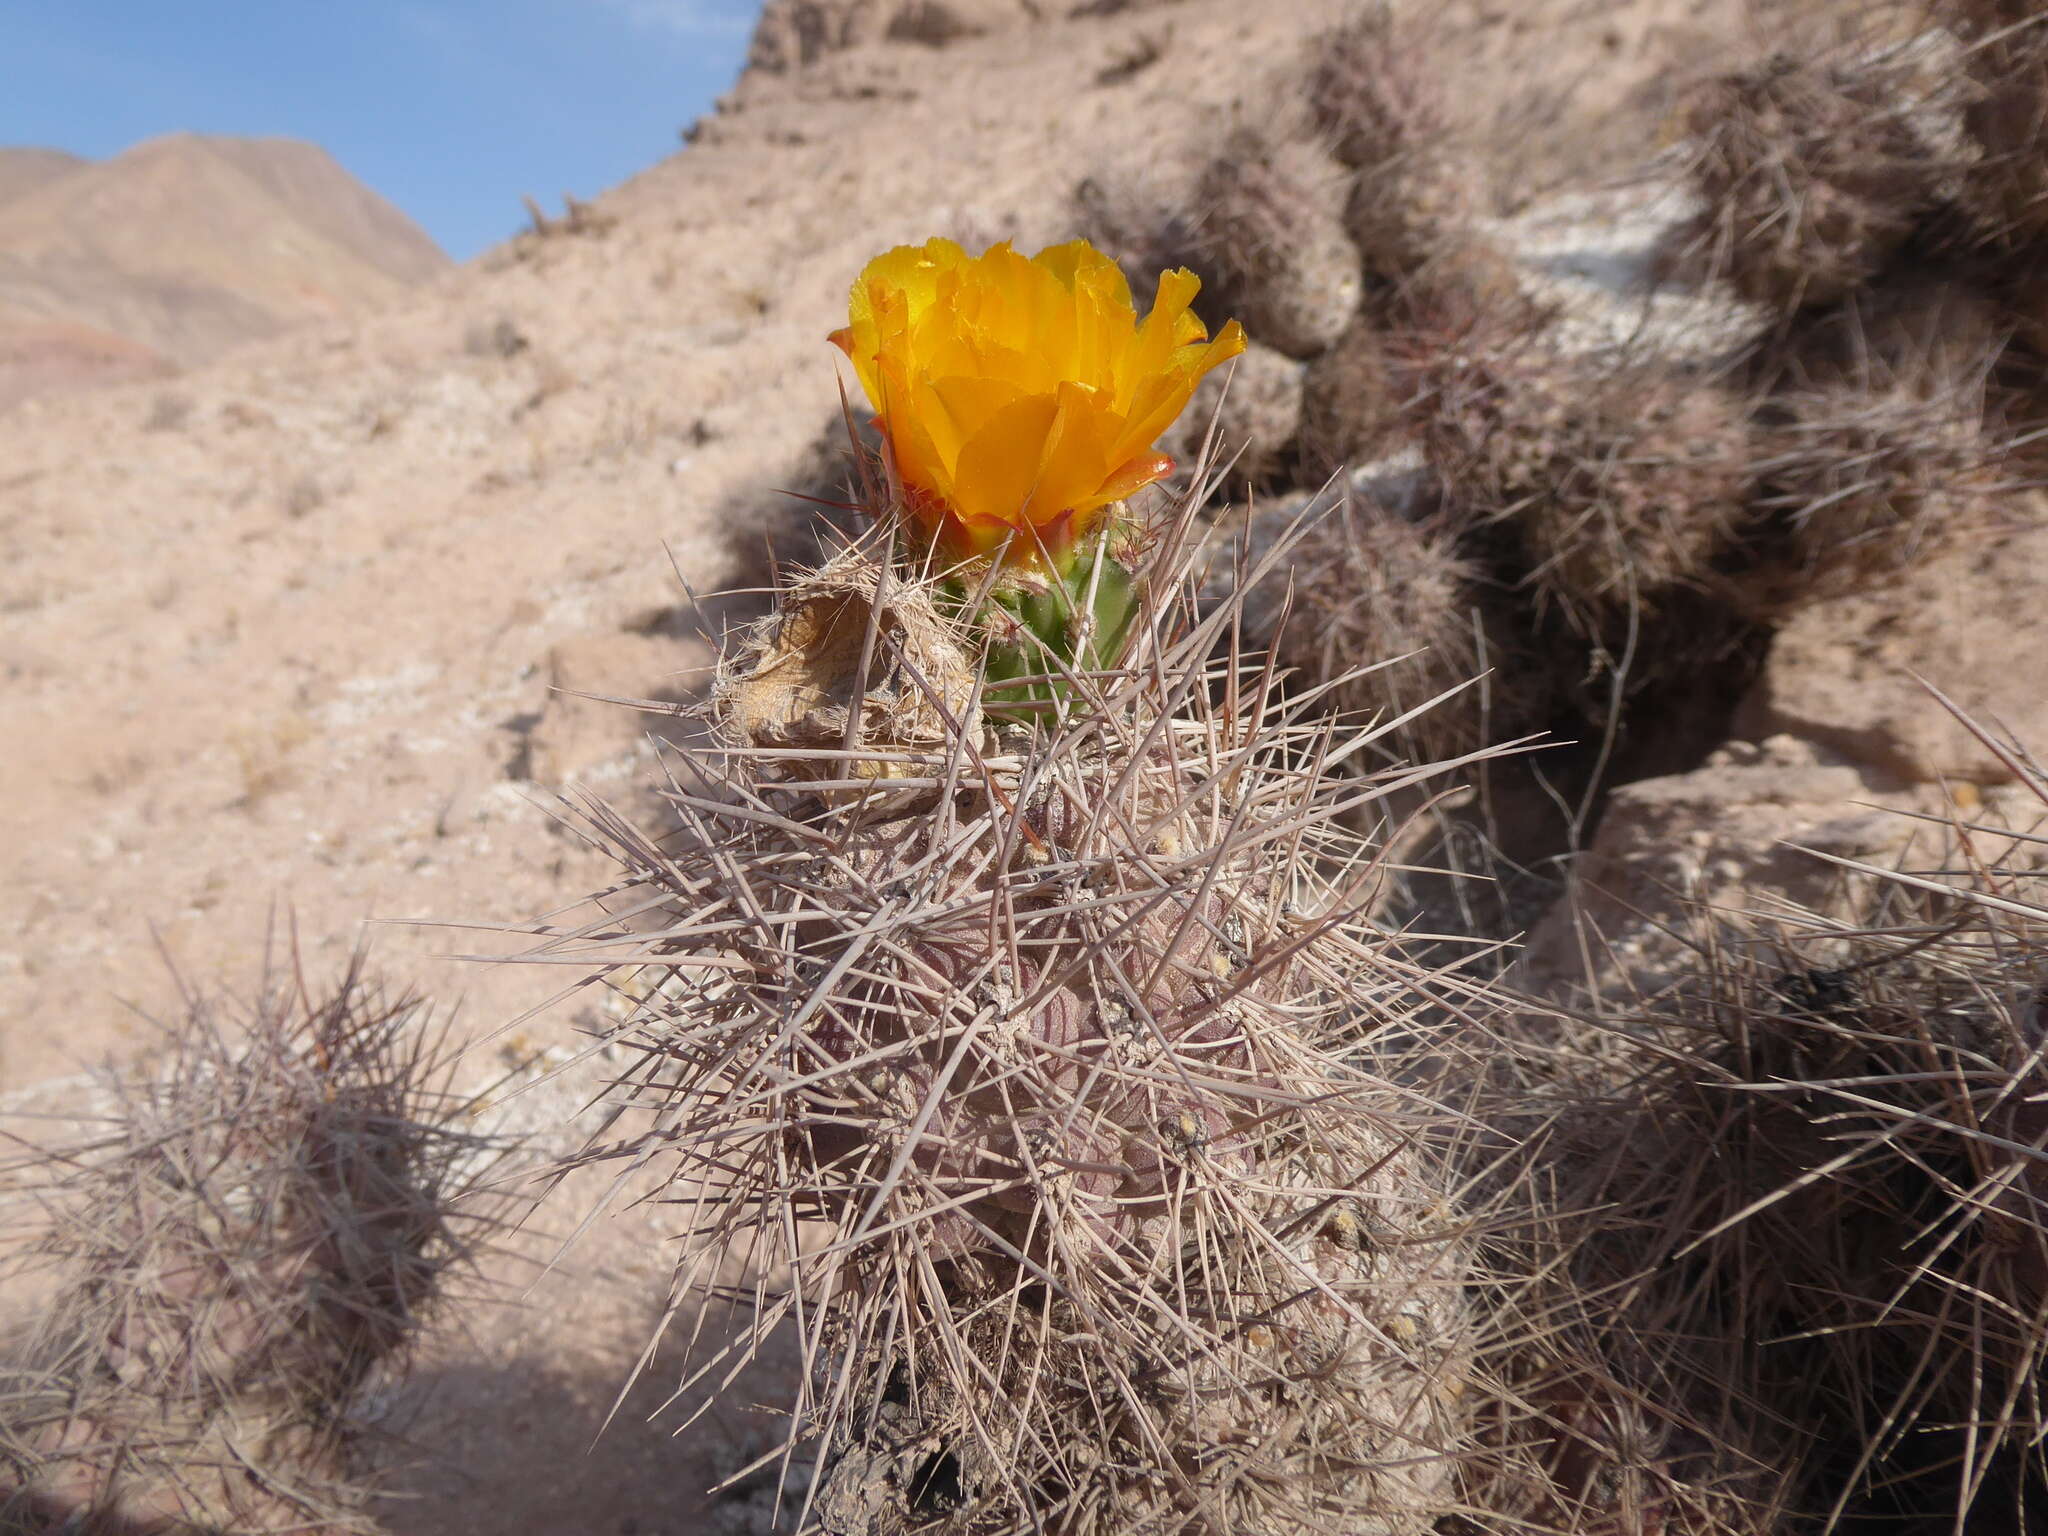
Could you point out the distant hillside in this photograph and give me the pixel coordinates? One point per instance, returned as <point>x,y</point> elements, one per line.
<point>24,170</point>
<point>174,250</point>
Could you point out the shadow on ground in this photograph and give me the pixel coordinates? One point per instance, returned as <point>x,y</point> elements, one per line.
<point>521,1447</point>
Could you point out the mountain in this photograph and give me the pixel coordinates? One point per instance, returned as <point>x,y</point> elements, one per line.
<point>181,247</point>
<point>24,170</point>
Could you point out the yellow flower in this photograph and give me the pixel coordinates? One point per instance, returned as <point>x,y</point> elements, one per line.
<point>1023,394</point>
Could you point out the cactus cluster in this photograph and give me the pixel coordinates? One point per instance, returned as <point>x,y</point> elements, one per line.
<point>2005,62</point>
<point>1373,95</point>
<point>1033,1041</point>
<point>1020,1017</point>
<point>1402,598</point>
<point>1861,483</point>
<point>1038,1067</point>
<point>1350,411</point>
<point>1635,518</point>
<point>1272,235</point>
<point>1254,410</point>
<point>1617,488</point>
<point>1348,216</point>
<point>1871,195</point>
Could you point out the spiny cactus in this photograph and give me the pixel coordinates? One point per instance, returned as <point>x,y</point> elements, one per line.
<point>1370,89</point>
<point>1409,623</point>
<point>1255,411</point>
<point>1141,218</point>
<point>1816,170</point>
<point>1618,487</point>
<point>1350,405</point>
<point>1272,233</point>
<point>1931,326</point>
<point>1023,1031</point>
<point>259,1234</point>
<point>2006,117</point>
<point>1860,484</point>
<point>1016,1058</point>
<point>1409,216</point>
<point>1377,98</point>
<point>1801,1205</point>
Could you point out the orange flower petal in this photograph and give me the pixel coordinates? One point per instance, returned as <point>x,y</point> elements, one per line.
<point>1077,459</point>
<point>1022,393</point>
<point>1136,475</point>
<point>999,464</point>
<point>1169,393</point>
<point>919,459</point>
<point>965,404</point>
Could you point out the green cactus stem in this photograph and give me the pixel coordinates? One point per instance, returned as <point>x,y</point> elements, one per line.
<point>1043,628</point>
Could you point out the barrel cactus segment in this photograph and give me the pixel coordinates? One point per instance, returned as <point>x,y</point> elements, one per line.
<point>1018,1021</point>
<point>1034,1077</point>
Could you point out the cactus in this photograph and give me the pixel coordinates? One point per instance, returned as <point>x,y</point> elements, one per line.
<point>1255,410</point>
<point>1350,408</point>
<point>1040,1061</point>
<point>1039,1028</point>
<point>1619,487</point>
<point>1370,90</point>
<point>1863,483</point>
<point>1815,171</point>
<point>1784,1260</point>
<point>1374,96</point>
<point>1407,621</point>
<point>260,1236</point>
<point>1872,1259</point>
<point>1413,214</point>
<point>2006,117</point>
<point>1273,233</point>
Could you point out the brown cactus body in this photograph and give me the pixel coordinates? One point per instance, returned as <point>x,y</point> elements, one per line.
<point>1037,1037</point>
<point>1275,237</point>
<point>1815,172</point>
<point>1620,487</point>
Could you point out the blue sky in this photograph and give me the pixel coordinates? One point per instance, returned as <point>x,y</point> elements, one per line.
<point>449,108</point>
